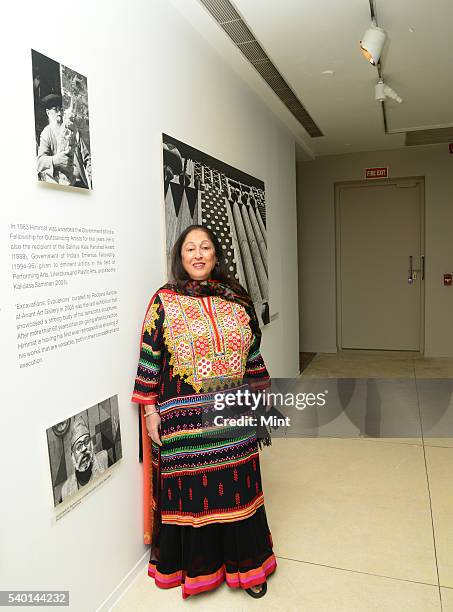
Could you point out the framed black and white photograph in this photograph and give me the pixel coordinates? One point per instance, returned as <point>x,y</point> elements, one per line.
<point>201,189</point>
<point>62,129</point>
<point>83,447</point>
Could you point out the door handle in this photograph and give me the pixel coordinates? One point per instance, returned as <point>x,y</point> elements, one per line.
<point>410,276</point>
<point>412,272</point>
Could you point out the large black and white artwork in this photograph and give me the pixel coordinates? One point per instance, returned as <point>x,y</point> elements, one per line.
<point>83,447</point>
<point>62,129</point>
<point>201,189</point>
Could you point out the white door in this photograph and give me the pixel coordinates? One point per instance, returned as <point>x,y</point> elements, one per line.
<point>380,268</point>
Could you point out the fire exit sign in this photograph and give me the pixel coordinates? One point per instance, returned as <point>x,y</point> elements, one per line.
<point>376,173</point>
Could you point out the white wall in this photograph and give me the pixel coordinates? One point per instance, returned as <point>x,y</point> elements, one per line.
<point>148,72</point>
<point>316,181</point>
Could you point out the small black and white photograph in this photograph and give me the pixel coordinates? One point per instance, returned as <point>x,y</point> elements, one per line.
<point>62,131</point>
<point>200,189</point>
<point>83,447</point>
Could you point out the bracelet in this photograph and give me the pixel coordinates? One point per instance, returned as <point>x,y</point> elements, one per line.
<point>147,414</point>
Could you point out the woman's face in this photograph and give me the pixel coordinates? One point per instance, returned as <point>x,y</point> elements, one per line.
<point>198,255</point>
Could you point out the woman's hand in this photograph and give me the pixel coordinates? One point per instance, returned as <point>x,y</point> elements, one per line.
<point>153,427</point>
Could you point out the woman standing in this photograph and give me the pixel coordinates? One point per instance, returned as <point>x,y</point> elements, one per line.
<point>201,332</point>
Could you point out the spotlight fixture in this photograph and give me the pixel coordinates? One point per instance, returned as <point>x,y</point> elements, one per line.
<point>372,43</point>
<point>383,91</point>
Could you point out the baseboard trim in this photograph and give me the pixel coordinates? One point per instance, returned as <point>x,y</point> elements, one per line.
<point>125,584</point>
<point>319,350</point>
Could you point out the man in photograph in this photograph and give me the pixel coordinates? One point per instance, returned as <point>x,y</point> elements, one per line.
<point>63,157</point>
<point>87,463</point>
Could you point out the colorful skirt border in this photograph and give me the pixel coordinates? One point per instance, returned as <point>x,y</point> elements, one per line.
<point>199,584</point>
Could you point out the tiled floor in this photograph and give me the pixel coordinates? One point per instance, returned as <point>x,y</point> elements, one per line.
<point>393,364</point>
<point>359,496</point>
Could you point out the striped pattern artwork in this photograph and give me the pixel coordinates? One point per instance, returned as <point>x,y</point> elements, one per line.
<point>199,189</point>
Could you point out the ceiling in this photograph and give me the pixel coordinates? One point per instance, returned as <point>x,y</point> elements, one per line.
<point>303,38</point>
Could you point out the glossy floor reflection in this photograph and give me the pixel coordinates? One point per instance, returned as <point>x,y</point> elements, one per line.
<point>361,516</point>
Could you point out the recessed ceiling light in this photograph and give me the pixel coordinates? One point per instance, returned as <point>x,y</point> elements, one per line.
<point>328,72</point>
<point>411,29</point>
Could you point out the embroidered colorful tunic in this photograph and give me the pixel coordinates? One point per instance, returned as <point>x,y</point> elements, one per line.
<point>191,347</point>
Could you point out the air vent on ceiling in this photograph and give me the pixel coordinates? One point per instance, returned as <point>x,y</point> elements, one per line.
<point>425,137</point>
<point>231,22</point>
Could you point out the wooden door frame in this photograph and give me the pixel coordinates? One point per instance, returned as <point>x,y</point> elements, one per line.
<point>337,187</point>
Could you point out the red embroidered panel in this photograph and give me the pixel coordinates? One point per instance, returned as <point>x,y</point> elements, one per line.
<point>208,338</point>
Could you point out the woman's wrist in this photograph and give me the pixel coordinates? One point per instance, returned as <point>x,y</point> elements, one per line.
<point>150,412</point>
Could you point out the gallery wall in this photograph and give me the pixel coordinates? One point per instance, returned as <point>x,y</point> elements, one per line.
<point>316,208</point>
<point>148,72</point>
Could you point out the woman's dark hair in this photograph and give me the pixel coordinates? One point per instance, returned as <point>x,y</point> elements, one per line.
<point>220,271</point>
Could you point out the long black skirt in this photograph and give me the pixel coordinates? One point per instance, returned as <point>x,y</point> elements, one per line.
<point>201,558</point>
